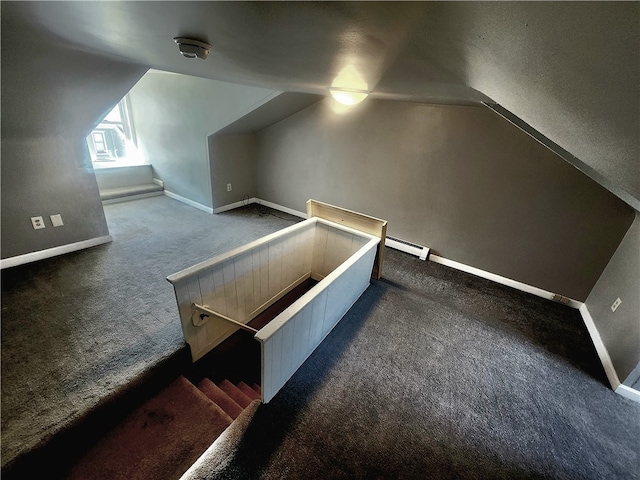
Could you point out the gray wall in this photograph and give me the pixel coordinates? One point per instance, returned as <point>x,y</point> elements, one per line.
<point>233,160</point>
<point>174,114</point>
<point>51,99</point>
<point>232,150</point>
<point>620,330</point>
<point>458,179</point>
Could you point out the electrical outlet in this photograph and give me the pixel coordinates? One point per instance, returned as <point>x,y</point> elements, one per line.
<point>228,187</point>
<point>56,220</point>
<point>561,299</point>
<point>616,304</point>
<point>37,223</point>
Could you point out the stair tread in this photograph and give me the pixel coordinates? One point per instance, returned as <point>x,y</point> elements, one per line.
<point>218,396</point>
<point>257,388</point>
<point>248,391</point>
<point>160,439</point>
<point>234,392</point>
<point>124,191</point>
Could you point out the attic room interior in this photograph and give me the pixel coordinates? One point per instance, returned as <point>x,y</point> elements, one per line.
<point>499,140</point>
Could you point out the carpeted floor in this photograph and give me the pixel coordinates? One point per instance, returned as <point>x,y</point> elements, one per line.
<point>432,374</point>
<point>159,440</point>
<point>79,328</point>
<point>438,374</point>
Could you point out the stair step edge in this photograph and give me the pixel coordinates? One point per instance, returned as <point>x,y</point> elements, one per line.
<point>221,398</point>
<point>234,392</point>
<point>248,391</point>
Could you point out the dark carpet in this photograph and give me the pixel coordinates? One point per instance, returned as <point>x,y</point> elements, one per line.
<point>159,440</point>
<point>433,373</point>
<point>79,329</point>
<point>438,374</point>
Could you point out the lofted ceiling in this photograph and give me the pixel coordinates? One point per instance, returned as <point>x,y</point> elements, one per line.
<point>570,70</point>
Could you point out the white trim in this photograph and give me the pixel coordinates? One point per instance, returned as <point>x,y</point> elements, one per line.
<point>235,205</point>
<point>502,280</point>
<point>633,377</point>
<point>163,72</point>
<point>259,201</point>
<point>157,181</point>
<point>191,203</point>
<point>53,252</point>
<point>605,359</point>
<point>126,198</point>
<point>288,210</point>
<point>628,392</point>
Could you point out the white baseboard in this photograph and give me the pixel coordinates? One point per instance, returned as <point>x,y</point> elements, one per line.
<point>191,203</point>
<point>259,201</point>
<point>281,208</point>
<point>53,252</point>
<point>633,377</point>
<point>235,205</point>
<point>157,181</point>
<point>539,292</point>
<point>605,359</point>
<point>128,198</point>
<point>628,392</point>
<point>423,253</point>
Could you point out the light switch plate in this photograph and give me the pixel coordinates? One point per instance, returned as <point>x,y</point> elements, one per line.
<point>56,220</point>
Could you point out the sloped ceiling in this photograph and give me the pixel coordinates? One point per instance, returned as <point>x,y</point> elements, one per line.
<point>570,70</point>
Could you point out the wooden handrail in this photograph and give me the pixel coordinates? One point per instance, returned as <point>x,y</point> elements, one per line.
<point>207,312</point>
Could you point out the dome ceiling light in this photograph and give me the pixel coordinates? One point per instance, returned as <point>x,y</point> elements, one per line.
<point>192,48</point>
<point>349,87</point>
<point>348,96</point>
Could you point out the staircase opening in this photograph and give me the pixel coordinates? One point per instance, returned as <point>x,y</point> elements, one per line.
<point>238,357</point>
<point>188,415</point>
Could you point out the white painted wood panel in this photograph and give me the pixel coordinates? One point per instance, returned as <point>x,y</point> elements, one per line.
<point>319,250</point>
<point>242,283</point>
<point>264,274</point>
<point>219,298</point>
<point>244,276</point>
<point>289,339</point>
<point>333,246</point>
<point>317,318</point>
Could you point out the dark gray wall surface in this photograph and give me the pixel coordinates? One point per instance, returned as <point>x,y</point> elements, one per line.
<point>174,114</point>
<point>52,96</point>
<point>568,69</point>
<point>232,150</point>
<point>458,179</point>
<point>233,160</point>
<point>620,330</point>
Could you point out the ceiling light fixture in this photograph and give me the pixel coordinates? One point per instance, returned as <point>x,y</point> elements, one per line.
<point>348,96</point>
<point>192,48</point>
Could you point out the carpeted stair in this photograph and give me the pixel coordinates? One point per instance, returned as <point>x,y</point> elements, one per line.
<point>165,436</point>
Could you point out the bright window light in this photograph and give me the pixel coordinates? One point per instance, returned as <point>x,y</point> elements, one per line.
<point>112,142</point>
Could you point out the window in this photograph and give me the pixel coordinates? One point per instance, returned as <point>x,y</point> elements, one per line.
<point>112,142</point>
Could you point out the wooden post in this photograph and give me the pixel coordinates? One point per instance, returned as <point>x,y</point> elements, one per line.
<point>359,221</point>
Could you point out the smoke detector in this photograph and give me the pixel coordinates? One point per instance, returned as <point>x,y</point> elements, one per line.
<point>192,48</point>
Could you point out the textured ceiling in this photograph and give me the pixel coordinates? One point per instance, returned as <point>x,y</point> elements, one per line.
<point>570,70</point>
